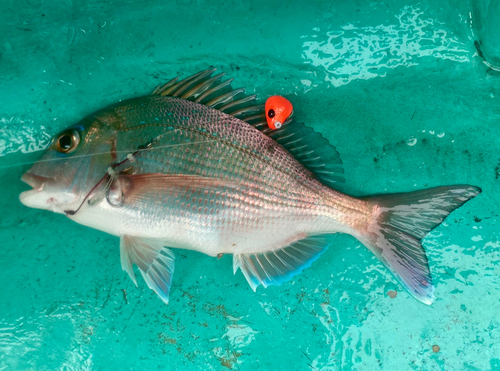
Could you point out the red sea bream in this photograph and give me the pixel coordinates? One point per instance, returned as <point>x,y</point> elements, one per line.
<point>193,166</point>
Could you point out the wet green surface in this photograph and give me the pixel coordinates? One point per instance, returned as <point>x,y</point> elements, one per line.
<point>397,87</point>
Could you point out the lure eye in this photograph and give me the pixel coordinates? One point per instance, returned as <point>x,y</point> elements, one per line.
<point>271,113</point>
<point>67,141</point>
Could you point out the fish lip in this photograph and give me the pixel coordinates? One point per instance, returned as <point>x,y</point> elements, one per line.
<point>35,181</point>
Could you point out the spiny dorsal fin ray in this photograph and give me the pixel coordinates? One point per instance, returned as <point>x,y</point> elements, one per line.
<point>203,98</point>
<point>203,86</point>
<point>160,89</point>
<point>278,266</point>
<point>225,98</point>
<point>236,103</point>
<point>244,112</point>
<point>192,82</point>
<point>171,87</point>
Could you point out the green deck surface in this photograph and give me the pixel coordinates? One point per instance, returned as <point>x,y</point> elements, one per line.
<point>397,87</point>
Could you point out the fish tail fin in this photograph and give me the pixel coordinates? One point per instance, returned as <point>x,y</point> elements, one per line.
<point>398,224</point>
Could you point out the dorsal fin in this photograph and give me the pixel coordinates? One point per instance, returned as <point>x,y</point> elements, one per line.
<point>209,90</point>
<point>310,148</point>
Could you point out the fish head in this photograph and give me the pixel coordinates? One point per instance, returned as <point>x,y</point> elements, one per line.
<point>70,167</point>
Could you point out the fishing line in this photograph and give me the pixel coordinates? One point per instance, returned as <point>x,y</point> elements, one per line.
<point>103,153</point>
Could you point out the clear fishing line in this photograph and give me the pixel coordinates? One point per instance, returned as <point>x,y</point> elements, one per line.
<point>106,153</point>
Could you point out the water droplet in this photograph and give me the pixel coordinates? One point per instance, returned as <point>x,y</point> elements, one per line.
<point>412,141</point>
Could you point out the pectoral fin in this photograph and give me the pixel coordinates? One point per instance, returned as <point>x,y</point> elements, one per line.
<point>140,188</point>
<point>155,262</point>
<point>278,266</point>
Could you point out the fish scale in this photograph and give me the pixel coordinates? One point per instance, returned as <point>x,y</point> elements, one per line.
<point>165,172</point>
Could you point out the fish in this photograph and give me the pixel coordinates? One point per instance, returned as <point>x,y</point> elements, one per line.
<point>195,166</point>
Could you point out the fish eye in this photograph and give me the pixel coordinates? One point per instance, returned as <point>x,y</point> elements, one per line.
<point>271,113</point>
<point>67,141</point>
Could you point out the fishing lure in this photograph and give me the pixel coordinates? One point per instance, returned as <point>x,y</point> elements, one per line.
<point>278,109</point>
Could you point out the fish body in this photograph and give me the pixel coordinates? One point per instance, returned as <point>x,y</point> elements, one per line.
<point>255,185</point>
<point>172,171</point>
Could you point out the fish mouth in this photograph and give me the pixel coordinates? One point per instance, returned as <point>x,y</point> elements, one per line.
<point>45,195</point>
<point>34,181</point>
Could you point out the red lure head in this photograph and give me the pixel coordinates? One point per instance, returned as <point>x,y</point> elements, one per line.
<point>278,109</point>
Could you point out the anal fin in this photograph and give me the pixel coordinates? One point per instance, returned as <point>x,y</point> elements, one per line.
<point>155,262</point>
<point>277,266</point>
